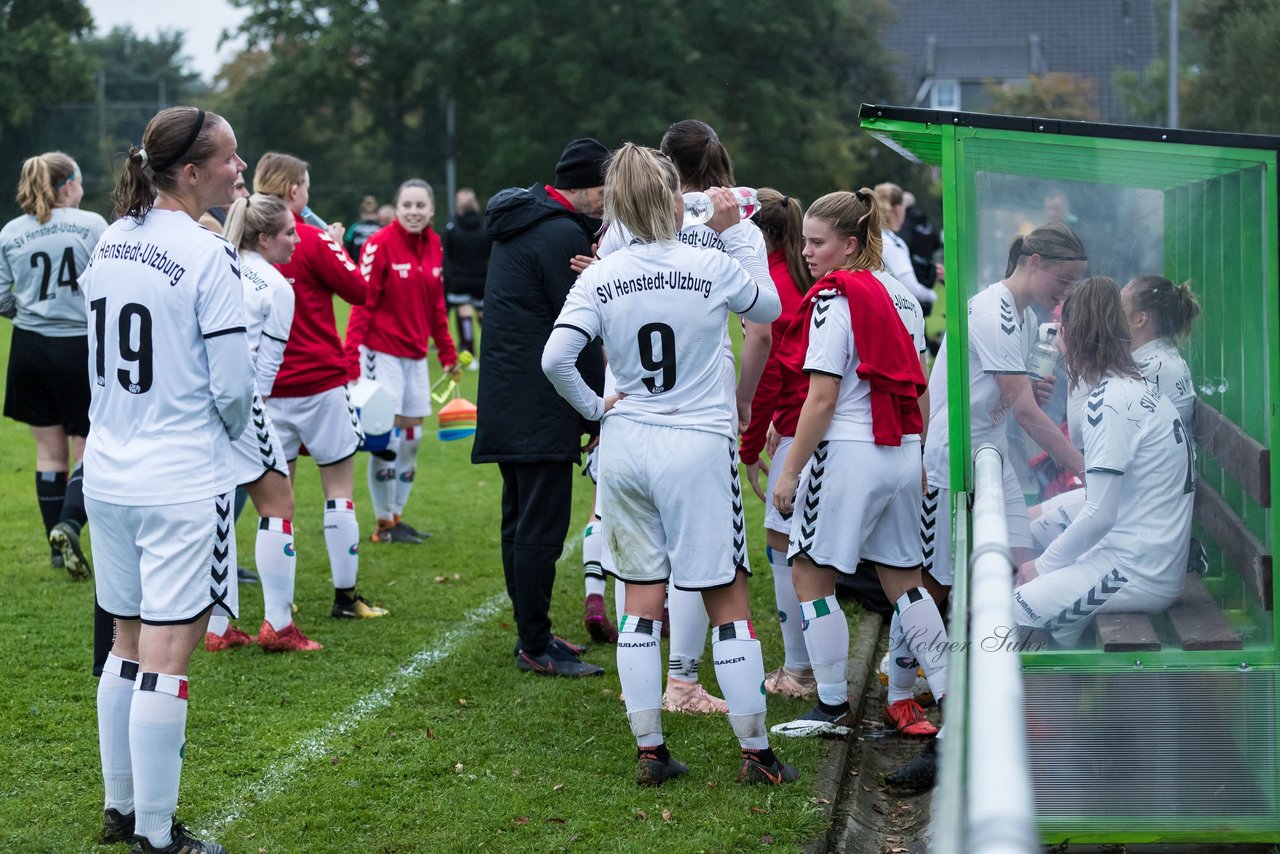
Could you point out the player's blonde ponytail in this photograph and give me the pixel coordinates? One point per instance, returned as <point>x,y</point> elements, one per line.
<point>853,215</point>
<point>42,177</point>
<point>640,188</point>
<point>248,219</point>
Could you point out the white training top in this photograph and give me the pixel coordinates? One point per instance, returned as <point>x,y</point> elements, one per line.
<point>897,262</point>
<point>660,309</point>
<point>170,372</point>
<point>1163,367</point>
<point>833,351</point>
<point>40,264</point>
<point>268,310</point>
<point>1134,434</point>
<point>999,340</point>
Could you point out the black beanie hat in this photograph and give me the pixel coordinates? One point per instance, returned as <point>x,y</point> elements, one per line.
<point>581,165</point>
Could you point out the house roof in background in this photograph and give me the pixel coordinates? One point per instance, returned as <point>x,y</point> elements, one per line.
<point>976,40</point>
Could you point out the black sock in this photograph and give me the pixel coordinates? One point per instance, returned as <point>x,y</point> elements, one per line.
<point>661,753</point>
<point>51,488</point>
<point>73,502</point>
<point>466,332</point>
<point>838,709</point>
<point>764,756</point>
<point>344,595</point>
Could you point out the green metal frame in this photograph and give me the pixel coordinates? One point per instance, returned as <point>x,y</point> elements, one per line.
<point>1196,171</point>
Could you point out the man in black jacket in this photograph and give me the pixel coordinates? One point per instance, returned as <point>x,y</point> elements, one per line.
<point>522,424</point>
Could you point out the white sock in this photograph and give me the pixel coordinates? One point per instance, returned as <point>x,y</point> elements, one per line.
<point>640,672</point>
<point>218,625</point>
<point>795,653</point>
<point>157,735</point>
<point>277,569</point>
<point>902,664</point>
<point>592,550</point>
<point>382,479</point>
<point>740,671</point>
<point>688,630</point>
<point>342,540</point>
<point>925,635</point>
<point>406,467</point>
<point>826,634</point>
<point>115,695</point>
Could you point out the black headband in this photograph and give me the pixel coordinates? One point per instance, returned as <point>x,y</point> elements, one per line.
<point>186,146</point>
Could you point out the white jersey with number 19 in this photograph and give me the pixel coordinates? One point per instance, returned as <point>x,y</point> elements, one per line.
<point>157,292</point>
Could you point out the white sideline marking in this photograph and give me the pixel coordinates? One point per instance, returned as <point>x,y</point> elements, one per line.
<point>307,749</point>
<point>310,747</point>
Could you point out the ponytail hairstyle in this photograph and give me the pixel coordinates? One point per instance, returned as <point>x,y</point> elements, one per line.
<point>698,154</point>
<point>1173,307</point>
<point>640,187</point>
<point>889,196</point>
<point>276,174</point>
<point>248,219</point>
<point>781,220</point>
<point>42,177</point>
<point>1053,241</point>
<point>173,137</point>
<point>416,182</point>
<point>1097,335</point>
<point>854,215</point>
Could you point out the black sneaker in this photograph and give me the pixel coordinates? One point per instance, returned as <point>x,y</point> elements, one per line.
<point>561,648</point>
<point>244,575</point>
<point>356,607</point>
<point>760,766</point>
<point>115,827</point>
<point>545,665</point>
<point>918,774</point>
<point>65,537</point>
<point>654,771</point>
<point>411,531</point>
<point>394,534</point>
<point>55,562</point>
<point>182,842</point>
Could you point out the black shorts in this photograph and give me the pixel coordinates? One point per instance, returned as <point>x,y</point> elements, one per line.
<point>48,381</point>
<point>464,292</point>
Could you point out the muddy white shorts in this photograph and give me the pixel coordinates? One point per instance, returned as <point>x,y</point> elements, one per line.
<point>168,563</point>
<point>258,450</point>
<point>407,380</point>
<point>671,505</point>
<point>324,423</point>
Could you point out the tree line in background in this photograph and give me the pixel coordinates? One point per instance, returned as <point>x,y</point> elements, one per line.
<point>365,89</point>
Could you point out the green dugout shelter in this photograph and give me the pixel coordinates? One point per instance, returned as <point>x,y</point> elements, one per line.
<point>1156,727</point>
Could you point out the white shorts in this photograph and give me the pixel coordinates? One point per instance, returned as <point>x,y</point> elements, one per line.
<point>936,522</point>
<point>1066,601</point>
<point>166,563</point>
<point>325,424</point>
<point>858,501</point>
<point>1056,515</point>
<point>773,520</point>
<point>258,450</point>
<point>671,505</point>
<point>407,380</point>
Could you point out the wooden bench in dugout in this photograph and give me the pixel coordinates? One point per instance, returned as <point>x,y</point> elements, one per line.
<point>1196,620</point>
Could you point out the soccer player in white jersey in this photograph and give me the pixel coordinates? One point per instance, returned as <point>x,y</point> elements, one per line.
<point>702,162</point>
<point>172,386</point>
<point>1127,548</point>
<point>668,451</point>
<point>1159,315</point>
<point>851,480</point>
<point>262,229</point>
<point>41,255</point>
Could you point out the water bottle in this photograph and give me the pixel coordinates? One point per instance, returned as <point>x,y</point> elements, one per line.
<point>698,207</point>
<point>1043,360</point>
<point>309,216</point>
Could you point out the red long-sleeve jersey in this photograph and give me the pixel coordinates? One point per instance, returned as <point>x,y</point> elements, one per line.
<point>406,298</point>
<point>313,358</point>
<point>770,394</point>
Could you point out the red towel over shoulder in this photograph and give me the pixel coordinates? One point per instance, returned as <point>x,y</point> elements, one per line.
<point>887,355</point>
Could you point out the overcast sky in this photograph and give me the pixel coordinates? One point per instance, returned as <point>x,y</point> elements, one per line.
<point>202,22</point>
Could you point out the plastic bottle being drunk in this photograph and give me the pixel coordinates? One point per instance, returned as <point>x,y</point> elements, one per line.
<point>698,207</point>
<point>1043,360</point>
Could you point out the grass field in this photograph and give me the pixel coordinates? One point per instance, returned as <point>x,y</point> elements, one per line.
<point>410,733</point>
